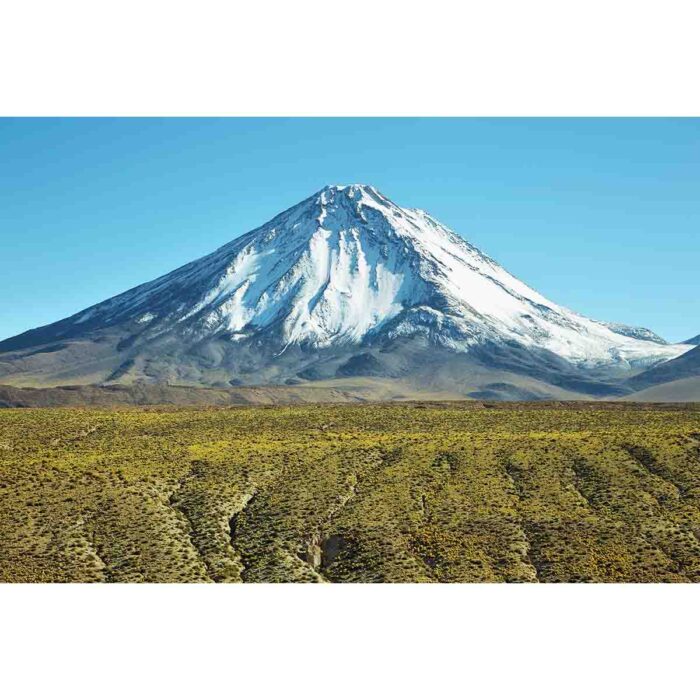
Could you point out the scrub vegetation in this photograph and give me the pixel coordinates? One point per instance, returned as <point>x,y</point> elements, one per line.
<point>351,493</point>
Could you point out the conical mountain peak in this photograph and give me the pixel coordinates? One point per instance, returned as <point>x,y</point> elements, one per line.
<point>353,191</point>
<point>345,268</point>
<point>354,196</point>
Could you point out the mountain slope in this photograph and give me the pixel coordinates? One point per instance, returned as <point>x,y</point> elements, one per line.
<point>687,366</point>
<point>680,390</point>
<point>693,341</point>
<point>635,332</point>
<point>346,283</point>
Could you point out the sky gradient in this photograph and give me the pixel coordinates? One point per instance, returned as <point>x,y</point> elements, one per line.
<point>600,215</point>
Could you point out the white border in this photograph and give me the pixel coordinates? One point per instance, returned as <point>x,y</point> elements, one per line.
<point>365,57</point>
<point>400,641</point>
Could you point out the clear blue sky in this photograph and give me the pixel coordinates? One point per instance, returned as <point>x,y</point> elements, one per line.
<point>602,216</point>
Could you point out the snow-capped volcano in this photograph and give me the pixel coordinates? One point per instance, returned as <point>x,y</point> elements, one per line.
<point>345,268</point>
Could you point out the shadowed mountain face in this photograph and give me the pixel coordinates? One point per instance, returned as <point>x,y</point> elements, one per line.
<point>687,366</point>
<point>693,341</point>
<point>345,284</point>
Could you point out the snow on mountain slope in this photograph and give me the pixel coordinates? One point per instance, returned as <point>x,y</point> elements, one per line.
<point>348,266</point>
<point>637,332</point>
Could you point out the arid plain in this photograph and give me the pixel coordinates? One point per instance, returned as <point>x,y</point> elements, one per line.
<point>415,492</point>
